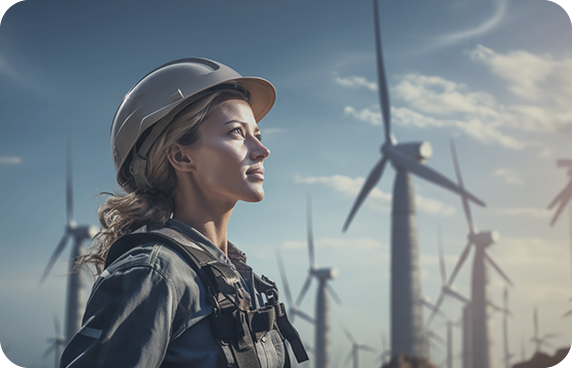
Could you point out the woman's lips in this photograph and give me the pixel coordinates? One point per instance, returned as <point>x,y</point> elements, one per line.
<point>257,172</point>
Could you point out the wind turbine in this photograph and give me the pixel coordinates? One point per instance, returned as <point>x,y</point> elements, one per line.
<point>447,290</point>
<point>385,355</point>
<point>293,309</point>
<point>75,298</point>
<point>563,197</point>
<point>356,347</point>
<point>537,339</point>
<point>323,275</point>
<point>57,343</point>
<point>481,352</point>
<point>406,311</point>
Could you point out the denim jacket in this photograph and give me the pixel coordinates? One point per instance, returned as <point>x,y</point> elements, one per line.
<point>148,309</point>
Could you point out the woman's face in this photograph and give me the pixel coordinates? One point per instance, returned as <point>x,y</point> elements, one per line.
<point>228,157</point>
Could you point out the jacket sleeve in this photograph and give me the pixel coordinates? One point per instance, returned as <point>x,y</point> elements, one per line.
<point>127,322</point>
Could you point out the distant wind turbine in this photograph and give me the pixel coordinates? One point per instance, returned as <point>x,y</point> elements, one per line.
<point>564,197</point>
<point>75,298</point>
<point>323,275</point>
<point>537,339</point>
<point>385,355</point>
<point>406,311</point>
<point>480,316</point>
<point>57,343</point>
<point>356,347</point>
<point>293,309</point>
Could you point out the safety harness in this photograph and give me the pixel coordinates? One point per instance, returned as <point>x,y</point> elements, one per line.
<point>233,323</point>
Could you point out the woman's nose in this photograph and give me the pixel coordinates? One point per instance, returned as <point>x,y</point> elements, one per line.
<point>259,151</point>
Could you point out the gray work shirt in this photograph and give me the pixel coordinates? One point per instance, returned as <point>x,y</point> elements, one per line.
<point>148,309</point>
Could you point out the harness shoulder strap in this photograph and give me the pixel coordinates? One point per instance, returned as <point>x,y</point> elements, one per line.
<point>232,322</point>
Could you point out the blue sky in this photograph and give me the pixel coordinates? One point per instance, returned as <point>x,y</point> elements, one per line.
<point>493,75</point>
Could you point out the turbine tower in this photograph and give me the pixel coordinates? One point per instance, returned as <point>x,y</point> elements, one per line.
<point>406,310</point>
<point>75,296</point>
<point>507,355</point>
<point>481,339</point>
<point>323,275</point>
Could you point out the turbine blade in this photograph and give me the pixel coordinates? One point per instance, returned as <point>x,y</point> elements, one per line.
<point>437,306</point>
<point>565,196</point>
<point>465,202</point>
<point>382,80</point>
<point>368,348</point>
<point>49,350</point>
<point>567,313</point>
<point>431,307</point>
<point>371,181</point>
<point>55,255</point>
<point>348,358</point>
<point>496,267</point>
<point>427,173</point>
<point>305,316</point>
<point>334,294</point>
<point>348,334</point>
<point>283,277</point>
<point>448,290</point>
<point>69,184</point>
<point>436,337</point>
<point>460,263</point>
<point>441,258</point>
<point>310,232</point>
<point>304,289</point>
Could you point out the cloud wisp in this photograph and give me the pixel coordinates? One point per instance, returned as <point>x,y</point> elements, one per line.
<point>542,86</point>
<point>10,160</point>
<point>500,11</point>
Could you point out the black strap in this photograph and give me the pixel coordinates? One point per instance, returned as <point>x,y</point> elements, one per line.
<point>233,322</point>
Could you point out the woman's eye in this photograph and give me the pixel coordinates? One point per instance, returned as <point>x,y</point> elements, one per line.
<point>237,131</point>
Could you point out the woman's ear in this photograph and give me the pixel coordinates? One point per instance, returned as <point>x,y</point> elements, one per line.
<point>180,159</point>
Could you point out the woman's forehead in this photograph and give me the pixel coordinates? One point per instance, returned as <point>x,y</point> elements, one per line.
<point>231,110</point>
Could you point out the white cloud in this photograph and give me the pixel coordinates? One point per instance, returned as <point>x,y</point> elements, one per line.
<point>523,211</point>
<point>435,95</point>
<point>10,160</point>
<point>356,82</point>
<point>543,83</point>
<point>509,176</point>
<point>377,199</point>
<point>366,115</point>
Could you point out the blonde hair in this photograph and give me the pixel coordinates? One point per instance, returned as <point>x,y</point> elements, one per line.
<point>124,213</point>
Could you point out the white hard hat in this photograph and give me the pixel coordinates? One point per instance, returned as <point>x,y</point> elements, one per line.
<point>154,100</point>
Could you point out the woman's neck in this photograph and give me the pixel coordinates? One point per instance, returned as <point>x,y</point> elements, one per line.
<point>209,219</point>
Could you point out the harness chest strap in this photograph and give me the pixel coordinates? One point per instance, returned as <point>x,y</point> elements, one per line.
<point>233,322</point>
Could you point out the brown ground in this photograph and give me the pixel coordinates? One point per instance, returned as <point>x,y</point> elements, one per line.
<point>406,361</point>
<point>542,360</point>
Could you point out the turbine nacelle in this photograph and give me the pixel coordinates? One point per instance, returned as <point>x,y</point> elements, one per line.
<point>329,273</point>
<point>485,238</point>
<point>419,151</point>
<point>85,231</point>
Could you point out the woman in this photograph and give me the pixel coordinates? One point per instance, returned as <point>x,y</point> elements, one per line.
<point>172,291</point>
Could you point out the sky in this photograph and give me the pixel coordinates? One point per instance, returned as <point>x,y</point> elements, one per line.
<point>493,75</point>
